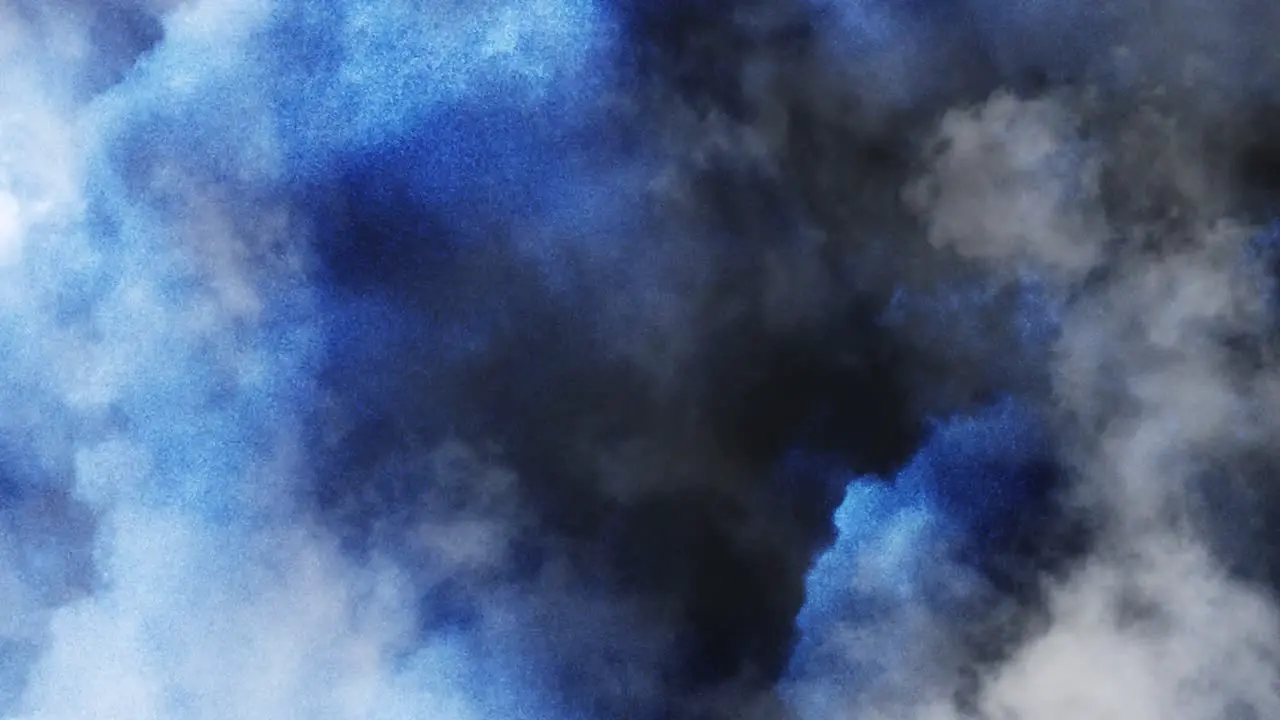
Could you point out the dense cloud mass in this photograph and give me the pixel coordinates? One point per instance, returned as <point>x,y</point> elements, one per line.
<point>565,359</point>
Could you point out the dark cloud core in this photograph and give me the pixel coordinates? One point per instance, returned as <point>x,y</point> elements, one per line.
<point>601,359</point>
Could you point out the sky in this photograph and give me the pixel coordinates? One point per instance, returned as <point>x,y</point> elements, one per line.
<point>575,359</point>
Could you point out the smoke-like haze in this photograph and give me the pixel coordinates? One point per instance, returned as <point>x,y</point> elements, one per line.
<point>563,359</point>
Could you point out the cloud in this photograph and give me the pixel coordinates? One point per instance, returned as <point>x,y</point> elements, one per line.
<point>520,359</point>
<point>1013,179</point>
<point>1148,388</point>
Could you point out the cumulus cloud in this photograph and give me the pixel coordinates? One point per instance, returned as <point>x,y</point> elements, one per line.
<point>1147,389</point>
<point>1014,182</point>
<point>569,358</point>
<point>157,307</point>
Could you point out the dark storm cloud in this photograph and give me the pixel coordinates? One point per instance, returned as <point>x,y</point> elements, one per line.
<point>575,359</point>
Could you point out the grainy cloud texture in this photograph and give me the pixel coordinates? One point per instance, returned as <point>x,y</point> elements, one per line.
<point>566,359</point>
